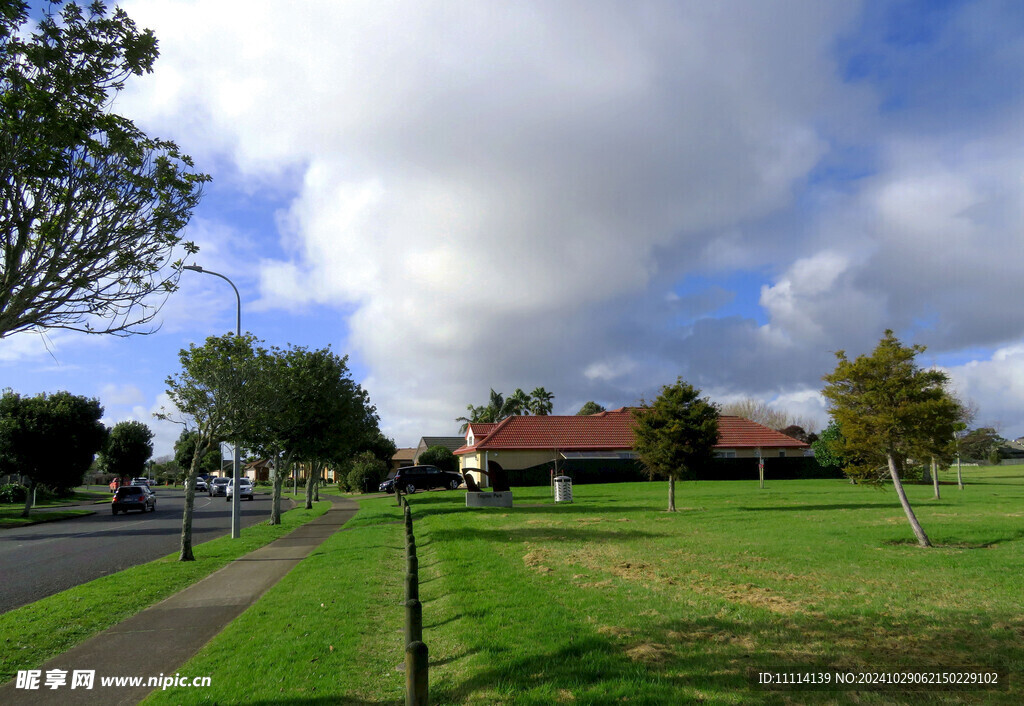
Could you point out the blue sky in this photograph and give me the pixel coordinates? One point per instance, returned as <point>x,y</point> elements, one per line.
<point>591,197</point>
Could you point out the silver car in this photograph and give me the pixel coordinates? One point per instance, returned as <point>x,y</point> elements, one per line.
<point>244,489</point>
<point>218,486</point>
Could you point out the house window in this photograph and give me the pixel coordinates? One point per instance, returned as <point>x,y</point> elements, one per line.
<point>782,453</point>
<point>725,454</point>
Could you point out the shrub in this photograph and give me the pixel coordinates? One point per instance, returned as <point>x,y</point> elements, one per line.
<point>366,474</point>
<point>440,456</point>
<point>12,493</point>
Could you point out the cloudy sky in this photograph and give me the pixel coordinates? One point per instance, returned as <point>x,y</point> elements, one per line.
<point>594,197</point>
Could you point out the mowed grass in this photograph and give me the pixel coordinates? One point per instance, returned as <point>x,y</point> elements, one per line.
<point>612,600</point>
<point>34,633</point>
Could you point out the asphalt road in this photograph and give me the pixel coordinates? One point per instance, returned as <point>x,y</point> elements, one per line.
<point>40,560</point>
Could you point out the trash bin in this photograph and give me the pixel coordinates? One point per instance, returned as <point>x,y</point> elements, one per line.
<point>563,489</point>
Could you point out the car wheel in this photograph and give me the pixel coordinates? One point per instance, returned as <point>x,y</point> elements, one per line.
<point>410,489</point>
<point>454,484</point>
<point>113,511</point>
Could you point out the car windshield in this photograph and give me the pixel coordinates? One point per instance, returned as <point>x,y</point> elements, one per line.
<point>129,491</point>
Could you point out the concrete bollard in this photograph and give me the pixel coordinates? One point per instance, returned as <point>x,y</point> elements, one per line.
<point>416,674</point>
<point>412,564</point>
<point>413,621</point>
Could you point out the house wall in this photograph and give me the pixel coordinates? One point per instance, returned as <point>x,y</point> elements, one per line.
<point>509,460</point>
<point>766,453</point>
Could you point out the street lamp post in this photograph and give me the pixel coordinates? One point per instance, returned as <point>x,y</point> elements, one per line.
<point>236,519</point>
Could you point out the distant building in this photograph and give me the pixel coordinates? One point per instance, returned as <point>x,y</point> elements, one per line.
<point>532,442</point>
<point>449,442</point>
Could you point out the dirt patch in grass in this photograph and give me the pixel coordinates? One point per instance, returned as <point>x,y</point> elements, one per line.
<point>649,653</point>
<point>535,559</point>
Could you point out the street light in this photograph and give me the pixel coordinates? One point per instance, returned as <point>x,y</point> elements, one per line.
<point>236,520</point>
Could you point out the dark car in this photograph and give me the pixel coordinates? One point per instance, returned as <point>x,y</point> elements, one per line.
<point>218,486</point>
<point>413,478</point>
<point>387,486</point>
<point>133,497</point>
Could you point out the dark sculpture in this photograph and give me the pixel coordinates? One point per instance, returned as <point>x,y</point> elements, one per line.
<point>499,481</point>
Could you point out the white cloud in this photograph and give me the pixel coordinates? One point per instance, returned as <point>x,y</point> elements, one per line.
<point>502,193</point>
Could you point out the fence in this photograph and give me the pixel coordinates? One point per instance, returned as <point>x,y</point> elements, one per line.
<point>416,655</point>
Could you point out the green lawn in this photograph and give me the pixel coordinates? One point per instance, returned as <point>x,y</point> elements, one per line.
<point>611,599</point>
<point>13,518</point>
<point>34,633</point>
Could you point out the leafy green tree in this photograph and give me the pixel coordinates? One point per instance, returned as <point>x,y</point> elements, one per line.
<point>129,446</point>
<point>676,434</point>
<point>50,439</point>
<point>440,456</point>
<point>93,208</point>
<point>978,444</point>
<point>590,407</point>
<point>366,473</point>
<point>185,448</point>
<point>541,401</point>
<point>518,402</point>
<point>890,410</point>
<point>310,410</point>
<point>212,397</point>
<point>381,447</point>
<point>828,449</point>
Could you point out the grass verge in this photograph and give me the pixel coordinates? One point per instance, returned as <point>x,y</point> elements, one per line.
<point>13,518</point>
<point>611,599</point>
<point>36,632</point>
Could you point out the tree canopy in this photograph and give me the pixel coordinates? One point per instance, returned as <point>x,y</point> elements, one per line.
<point>185,448</point>
<point>890,411</point>
<point>309,410</point>
<point>214,397</point>
<point>676,434</point>
<point>590,407</point>
<point>51,439</point>
<point>129,447</point>
<point>440,456</point>
<point>92,208</point>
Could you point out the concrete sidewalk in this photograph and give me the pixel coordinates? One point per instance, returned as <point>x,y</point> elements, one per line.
<point>161,638</point>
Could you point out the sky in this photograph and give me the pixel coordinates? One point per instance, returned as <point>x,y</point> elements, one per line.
<point>593,197</point>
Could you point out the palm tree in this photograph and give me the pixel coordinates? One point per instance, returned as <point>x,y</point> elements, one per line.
<point>540,402</point>
<point>519,402</point>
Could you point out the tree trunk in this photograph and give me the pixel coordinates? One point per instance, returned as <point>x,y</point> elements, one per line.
<point>671,494</point>
<point>309,486</point>
<point>29,494</point>
<point>959,476</point>
<point>281,462</point>
<point>922,538</point>
<point>935,478</point>
<point>190,500</point>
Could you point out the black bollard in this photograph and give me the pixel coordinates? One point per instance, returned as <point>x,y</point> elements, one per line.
<point>416,674</point>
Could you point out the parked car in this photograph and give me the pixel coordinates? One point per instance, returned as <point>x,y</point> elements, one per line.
<point>218,486</point>
<point>413,478</point>
<point>388,485</point>
<point>244,489</point>
<point>133,497</point>
<point>201,485</point>
<point>142,481</point>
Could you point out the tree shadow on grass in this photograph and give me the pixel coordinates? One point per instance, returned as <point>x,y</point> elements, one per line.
<point>715,659</point>
<point>534,534</point>
<point>812,508</point>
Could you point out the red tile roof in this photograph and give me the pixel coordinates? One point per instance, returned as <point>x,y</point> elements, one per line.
<point>606,431</point>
